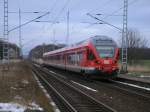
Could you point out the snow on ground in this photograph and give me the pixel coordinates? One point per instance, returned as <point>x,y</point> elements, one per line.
<point>25,81</point>
<point>34,106</point>
<point>144,76</point>
<point>14,107</point>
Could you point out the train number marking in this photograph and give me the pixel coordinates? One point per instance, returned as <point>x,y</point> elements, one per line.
<point>106,62</point>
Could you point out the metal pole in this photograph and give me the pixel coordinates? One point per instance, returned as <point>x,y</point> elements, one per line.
<point>67,38</point>
<point>20,38</point>
<point>43,48</point>
<point>5,34</point>
<point>54,40</point>
<point>124,37</point>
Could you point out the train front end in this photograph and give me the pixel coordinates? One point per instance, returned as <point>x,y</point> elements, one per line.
<point>106,56</point>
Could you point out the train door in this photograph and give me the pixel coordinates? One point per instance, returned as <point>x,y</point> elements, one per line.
<point>90,58</point>
<point>84,57</point>
<point>64,60</point>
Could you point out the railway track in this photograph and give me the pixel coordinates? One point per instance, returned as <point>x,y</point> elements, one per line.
<point>133,87</point>
<point>136,88</point>
<point>134,82</point>
<point>117,96</point>
<point>68,97</point>
<point>128,88</point>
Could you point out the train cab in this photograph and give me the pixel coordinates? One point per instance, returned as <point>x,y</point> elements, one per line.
<point>102,55</point>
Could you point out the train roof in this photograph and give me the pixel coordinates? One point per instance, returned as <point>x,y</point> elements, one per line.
<point>103,40</point>
<point>65,49</point>
<point>96,40</point>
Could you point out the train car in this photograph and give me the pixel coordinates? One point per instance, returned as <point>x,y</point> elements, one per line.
<point>97,55</point>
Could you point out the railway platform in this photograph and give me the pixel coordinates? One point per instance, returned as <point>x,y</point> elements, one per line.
<point>139,78</point>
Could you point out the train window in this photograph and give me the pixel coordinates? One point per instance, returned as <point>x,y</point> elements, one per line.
<point>75,58</point>
<point>68,58</point>
<point>72,58</point>
<point>105,51</point>
<point>90,55</point>
<point>78,58</point>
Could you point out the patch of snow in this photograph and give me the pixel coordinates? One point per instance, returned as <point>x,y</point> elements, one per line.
<point>25,81</point>
<point>13,88</point>
<point>14,107</point>
<point>11,107</point>
<point>34,106</point>
<point>144,76</point>
<point>16,87</point>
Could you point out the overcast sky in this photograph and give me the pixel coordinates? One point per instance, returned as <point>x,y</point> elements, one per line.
<point>39,33</point>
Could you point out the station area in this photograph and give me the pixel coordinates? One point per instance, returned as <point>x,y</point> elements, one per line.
<point>20,91</point>
<point>74,56</point>
<point>24,88</point>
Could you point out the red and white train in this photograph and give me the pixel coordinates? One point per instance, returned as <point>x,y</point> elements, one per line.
<point>96,55</point>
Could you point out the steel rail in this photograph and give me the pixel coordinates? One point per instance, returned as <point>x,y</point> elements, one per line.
<point>119,86</point>
<point>126,88</point>
<point>100,104</point>
<point>132,81</point>
<point>68,105</point>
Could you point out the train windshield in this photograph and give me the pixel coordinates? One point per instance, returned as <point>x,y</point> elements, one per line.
<point>105,51</point>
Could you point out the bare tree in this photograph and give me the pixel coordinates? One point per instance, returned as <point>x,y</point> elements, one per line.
<point>136,40</point>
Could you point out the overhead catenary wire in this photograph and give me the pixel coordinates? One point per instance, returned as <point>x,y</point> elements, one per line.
<point>112,14</point>
<point>29,22</point>
<point>51,10</point>
<point>61,11</point>
<point>27,12</point>
<point>19,27</point>
<point>104,22</point>
<point>121,8</point>
<point>53,6</point>
<point>55,20</point>
<point>102,5</point>
<point>102,14</point>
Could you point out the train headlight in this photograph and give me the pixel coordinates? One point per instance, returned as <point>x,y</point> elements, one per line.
<point>106,62</point>
<point>97,62</point>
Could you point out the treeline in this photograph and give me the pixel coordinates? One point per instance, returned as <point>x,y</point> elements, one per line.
<point>14,50</point>
<point>136,54</point>
<point>37,52</point>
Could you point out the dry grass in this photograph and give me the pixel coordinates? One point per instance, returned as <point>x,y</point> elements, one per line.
<point>138,69</point>
<point>18,85</point>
